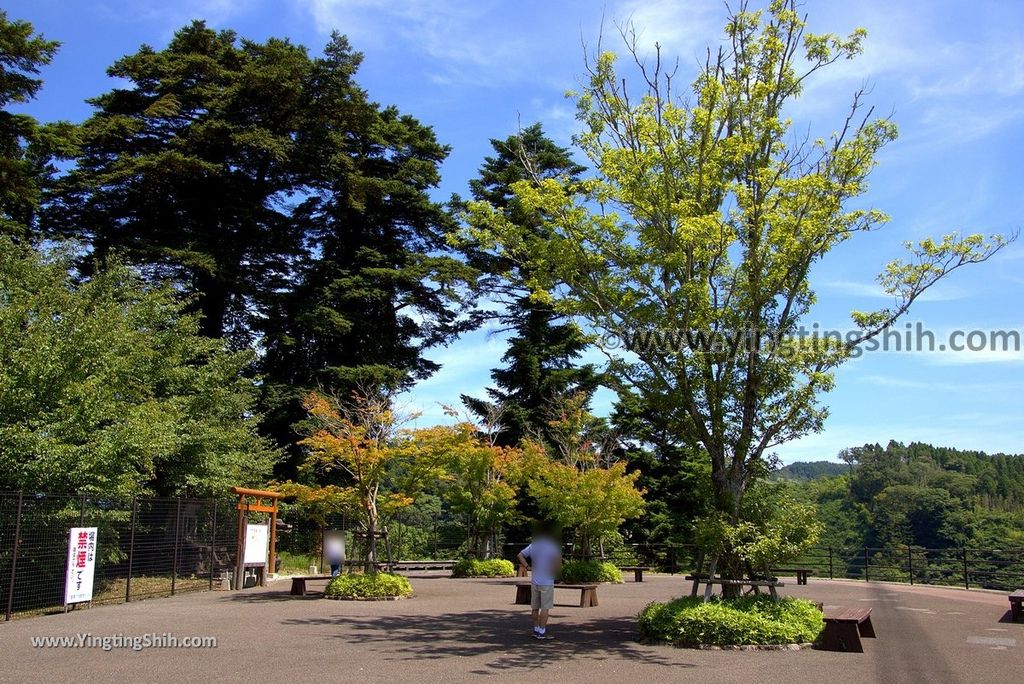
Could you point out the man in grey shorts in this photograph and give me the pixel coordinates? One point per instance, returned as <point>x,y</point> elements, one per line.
<point>545,557</point>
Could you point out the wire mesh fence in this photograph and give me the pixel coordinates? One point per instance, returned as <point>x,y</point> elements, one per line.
<point>146,547</point>
<point>149,547</point>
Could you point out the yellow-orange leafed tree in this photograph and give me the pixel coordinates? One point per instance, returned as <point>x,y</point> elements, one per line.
<point>366,461</point>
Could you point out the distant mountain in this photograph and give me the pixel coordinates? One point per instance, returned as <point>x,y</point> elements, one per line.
<point>810,470</point>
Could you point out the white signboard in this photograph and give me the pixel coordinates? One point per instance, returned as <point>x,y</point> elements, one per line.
<point>257,544</point>
<point>81,565</point>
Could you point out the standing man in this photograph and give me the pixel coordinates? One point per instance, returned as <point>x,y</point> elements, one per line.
<point>546,558</point>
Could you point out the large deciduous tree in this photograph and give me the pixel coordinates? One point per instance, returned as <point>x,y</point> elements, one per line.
<point>107,387</point>
<point>704,217</point>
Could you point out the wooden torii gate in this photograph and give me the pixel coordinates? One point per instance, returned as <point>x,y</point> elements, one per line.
<point>252,500</point>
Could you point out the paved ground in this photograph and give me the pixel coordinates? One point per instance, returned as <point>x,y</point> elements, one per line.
<point>462,630</point>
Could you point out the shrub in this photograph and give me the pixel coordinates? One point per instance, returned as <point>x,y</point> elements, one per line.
<point>575,572</point>
<point>475,567</point>
<point>377,585</point>
<point>751,620</point>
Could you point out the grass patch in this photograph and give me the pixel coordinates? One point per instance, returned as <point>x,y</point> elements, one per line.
<point>475,567</point>
<point>587,572</point>
<point>378,585</point>
<point>751,620</point>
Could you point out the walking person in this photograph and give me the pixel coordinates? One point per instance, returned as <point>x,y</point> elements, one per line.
<point>545,557</point>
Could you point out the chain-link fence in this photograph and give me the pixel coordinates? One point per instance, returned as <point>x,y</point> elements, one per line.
<point>146,547</point>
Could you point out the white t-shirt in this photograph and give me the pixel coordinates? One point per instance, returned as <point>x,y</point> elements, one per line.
<point>543,554</point>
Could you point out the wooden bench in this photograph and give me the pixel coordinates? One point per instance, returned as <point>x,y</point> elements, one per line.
<point>638,571</point>
<point>299,583</point>
<point>800,573</point>
<point>588,593</point>
<point>754,584</point>
<point>422,565</point>
<point>1015,604</point>
<point>844,627</point>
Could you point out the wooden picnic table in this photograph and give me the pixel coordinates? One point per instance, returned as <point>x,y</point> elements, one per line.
<point>754,584</point>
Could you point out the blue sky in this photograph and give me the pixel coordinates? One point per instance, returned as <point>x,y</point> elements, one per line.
<point>951,72</point>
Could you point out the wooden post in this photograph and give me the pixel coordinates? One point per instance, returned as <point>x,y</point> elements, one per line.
<point>273,543</point>
<point>243,519</point>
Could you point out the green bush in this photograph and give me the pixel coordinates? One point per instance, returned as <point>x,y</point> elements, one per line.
<point>475,567</point>
<point>751,620</point>
<point>377,585</point>
<point>576,572</point>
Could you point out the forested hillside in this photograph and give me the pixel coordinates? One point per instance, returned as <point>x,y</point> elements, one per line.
<point>922,495</point>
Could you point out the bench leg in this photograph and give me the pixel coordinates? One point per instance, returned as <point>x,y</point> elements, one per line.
<point>1015,611</point>
<point>801,578</point>
<point>775,595</point>
<point>522,595</point>
<point>588,598</point>
<point>638,575</point>
<point>866,628</point>
<point>841,636</point>
<point>298,587</point>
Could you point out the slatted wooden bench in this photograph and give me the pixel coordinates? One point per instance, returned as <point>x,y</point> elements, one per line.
<point>1015,604</point>
<point>588,593</point>
<point>844,628</point>
<point>299,583</point>
<point>638,571</point>
<point>801,574</point>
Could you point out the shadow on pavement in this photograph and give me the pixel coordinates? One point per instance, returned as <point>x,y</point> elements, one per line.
<point>503,634</point>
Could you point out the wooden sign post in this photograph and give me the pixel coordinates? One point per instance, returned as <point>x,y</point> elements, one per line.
<point>252,500</point>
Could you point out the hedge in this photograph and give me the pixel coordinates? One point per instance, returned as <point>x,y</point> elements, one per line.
<point>576,572</point>
<point>750,620</point>
<point>475,567</point>
<point>372,586</point>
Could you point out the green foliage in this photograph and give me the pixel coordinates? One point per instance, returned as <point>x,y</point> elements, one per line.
<point>539,363</point>
<point>706,213</point>
<point>774,528</point>
<point>107,387</point>
<point>594,502</point>
<point>584,571</point>
<point>491,567</point>
<point>369,586</point>
<point>754,620</point>
<point>809,470</point>
<point>22,166</point>
<point>921,495</point>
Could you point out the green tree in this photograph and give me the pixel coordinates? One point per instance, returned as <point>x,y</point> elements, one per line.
<point>377,285</point>
<point>702,220</point>
<point>187,168</point>
<point>22,53</point>
<point>540,363</point>
<point>107,387</point>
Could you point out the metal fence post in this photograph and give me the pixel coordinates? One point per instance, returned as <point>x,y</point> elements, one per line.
<point>14,558</point>
<point>830,563</point>
<point>81,511</point>
<point>967,577</point>
<point>867,564</point>
<point>213,543</point>
<point>131,554</point>
<point>910,564</point>
<point>177,525</point>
